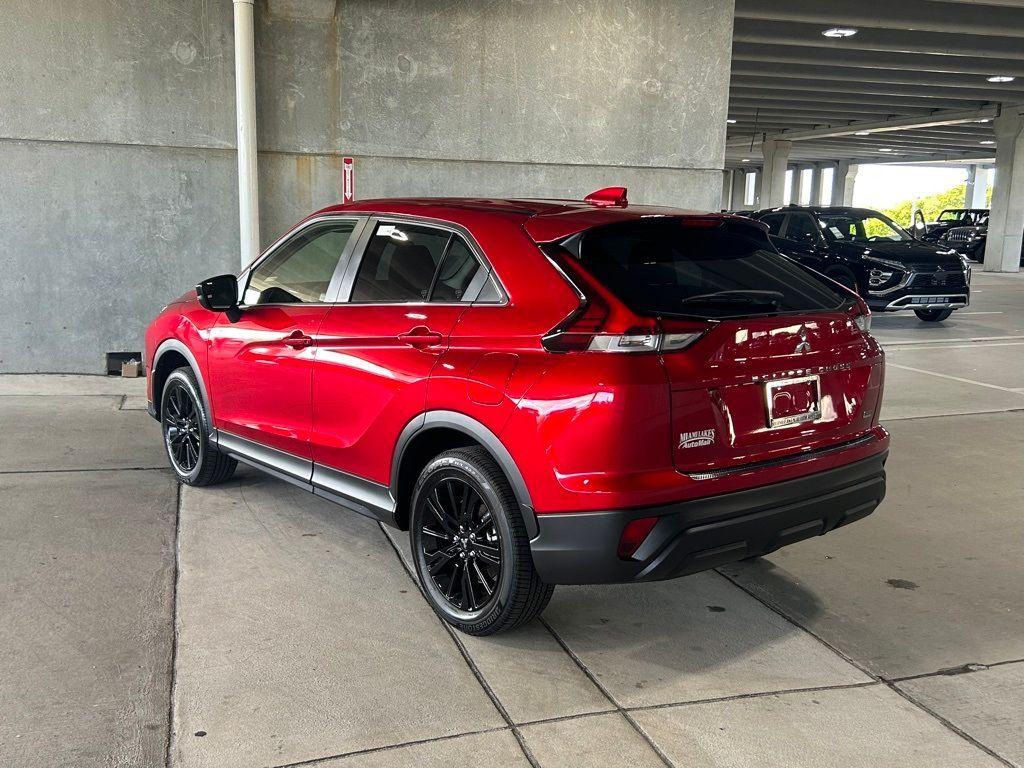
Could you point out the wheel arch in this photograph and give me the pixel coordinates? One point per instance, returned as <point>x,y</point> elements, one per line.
<point>432,433</point>
<point>171,354</point>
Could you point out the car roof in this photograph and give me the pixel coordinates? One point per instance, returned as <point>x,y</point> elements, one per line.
<point>544,220</point>
<point>822,209</point>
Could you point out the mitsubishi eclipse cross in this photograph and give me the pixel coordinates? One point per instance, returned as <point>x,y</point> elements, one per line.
<point>539,392</point>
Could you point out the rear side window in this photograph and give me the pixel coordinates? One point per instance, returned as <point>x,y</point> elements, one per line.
<point>460,274</point>
<point>399,263</point>
<point>666,267</point>
<point>802,229</point>
<point>774,222</point>
<point>300,271</point>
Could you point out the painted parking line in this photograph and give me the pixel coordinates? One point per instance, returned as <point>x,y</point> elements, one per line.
<point>968,314</point>
<point>954,378</point>
<point>974,340</point>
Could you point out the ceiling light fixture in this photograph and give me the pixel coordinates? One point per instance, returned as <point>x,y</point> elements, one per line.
<point>862,133</point>
<point>1001,78</point>
<point>839,32</point>
<point>987,141</point>
<point>745,160</point>
<point>731,121</point>
<point>884,149</point>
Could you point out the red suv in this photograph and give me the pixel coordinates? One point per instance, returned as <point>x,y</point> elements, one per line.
<point>540,392</point>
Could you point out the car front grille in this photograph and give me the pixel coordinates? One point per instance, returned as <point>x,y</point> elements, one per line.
<point>959,235</point>
<point>940,279</point>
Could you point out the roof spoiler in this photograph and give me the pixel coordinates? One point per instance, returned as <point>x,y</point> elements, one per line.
<point>608,197</point>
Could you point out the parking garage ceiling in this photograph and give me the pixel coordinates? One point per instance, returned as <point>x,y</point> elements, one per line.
<point>873,80</point>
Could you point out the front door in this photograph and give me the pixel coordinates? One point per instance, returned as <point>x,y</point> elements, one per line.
<point>261,361</point>
<point>378,348</point>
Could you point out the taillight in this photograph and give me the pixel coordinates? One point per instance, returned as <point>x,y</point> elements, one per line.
<point>861,315</point>
<point>633,535</point>
<point>601,324</point>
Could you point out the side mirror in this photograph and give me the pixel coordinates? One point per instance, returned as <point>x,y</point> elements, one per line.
<point>218,294</point>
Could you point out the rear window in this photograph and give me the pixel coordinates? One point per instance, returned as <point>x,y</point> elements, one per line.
<point>667,267</point>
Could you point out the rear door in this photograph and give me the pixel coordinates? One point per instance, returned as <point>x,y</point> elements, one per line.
<point>802,240</point>
<point>380,342</point>
<point>261,362</point>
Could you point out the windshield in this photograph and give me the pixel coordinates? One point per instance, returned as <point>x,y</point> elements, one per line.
<point>666,266</point>
<point>862,228</point>
<point>953,215</point>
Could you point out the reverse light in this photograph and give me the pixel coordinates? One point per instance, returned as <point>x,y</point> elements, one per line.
<point>634,534</point>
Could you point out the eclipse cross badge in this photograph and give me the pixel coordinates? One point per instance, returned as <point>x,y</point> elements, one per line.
<point>803,346</point>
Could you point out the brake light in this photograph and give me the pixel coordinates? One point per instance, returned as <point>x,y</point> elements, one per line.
<point>634,534</point>
<point>602,324</point>
<point>861,315</point>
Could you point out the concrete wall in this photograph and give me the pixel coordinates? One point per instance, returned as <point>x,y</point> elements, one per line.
<point>116,134</point>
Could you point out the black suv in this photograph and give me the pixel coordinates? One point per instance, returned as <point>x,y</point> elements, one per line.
<point>869,253</point>
<point>952,218</point>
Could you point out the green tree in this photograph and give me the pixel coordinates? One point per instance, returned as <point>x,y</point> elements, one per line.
<point>931,205</point>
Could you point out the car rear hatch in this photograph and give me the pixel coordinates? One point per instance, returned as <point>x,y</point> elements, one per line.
<point>764,358</point>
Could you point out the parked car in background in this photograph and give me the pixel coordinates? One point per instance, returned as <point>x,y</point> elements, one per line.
<point>869,253</point>
<point>540,392</point>
<point>952,218</point>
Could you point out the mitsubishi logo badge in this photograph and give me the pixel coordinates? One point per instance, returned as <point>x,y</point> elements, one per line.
<point>803,346</point>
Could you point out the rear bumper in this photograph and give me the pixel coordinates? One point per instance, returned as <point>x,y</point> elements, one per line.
<point>692,536</point>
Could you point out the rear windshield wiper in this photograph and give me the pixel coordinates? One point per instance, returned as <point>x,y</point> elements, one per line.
<point>749,299</point>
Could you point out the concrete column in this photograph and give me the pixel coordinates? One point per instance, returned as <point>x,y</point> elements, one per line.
<point>976,195</point>
<point>1006,222</point>
<point>739,185</point>
<point>245,117</point>
<point>815,185</point>
<point>839,182</point>
<point>727,177</point>
<point>794,185</point>
<point>851,180</point>
<point>773,178</point>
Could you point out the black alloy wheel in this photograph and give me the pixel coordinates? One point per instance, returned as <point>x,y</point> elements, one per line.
<point>470,546</point>
<point>461,545</point>
<point>185,426</point>
<point>182,434</point>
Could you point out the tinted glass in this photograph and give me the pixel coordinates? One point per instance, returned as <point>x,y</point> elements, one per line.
<point>300,271</point>
<point>399,263</point>
<point>459,272</point>
<point>868,228</point>
<point>774,222</point>
<point>664,267</point>
<point>801,228</point>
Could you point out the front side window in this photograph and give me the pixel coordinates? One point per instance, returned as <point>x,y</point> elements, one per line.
<point>300,271</point>
<point>667,267</point>
<point>867,228</point>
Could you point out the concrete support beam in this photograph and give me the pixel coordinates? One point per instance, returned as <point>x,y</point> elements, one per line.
<point>815,185</point>
<point>739,186</point>
<point>1006,222</point>
<point>773,179</point>
<point>842,182</point>
<point>976,195</point>
<point>245,117</point>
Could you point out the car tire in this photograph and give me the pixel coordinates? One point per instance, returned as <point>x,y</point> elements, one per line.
<point>844,277</point>
<point>185,426</point>
<point>470,547</point>
<point>933,315</point>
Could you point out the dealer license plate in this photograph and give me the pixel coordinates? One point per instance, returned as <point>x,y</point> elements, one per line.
<point>793,401</point>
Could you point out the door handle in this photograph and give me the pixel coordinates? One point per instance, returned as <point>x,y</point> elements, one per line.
<point>421,336</point>
<point>298,340</point>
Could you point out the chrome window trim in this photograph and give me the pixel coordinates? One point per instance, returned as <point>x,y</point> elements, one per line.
<point>349,279</point>
<point>339,270</point>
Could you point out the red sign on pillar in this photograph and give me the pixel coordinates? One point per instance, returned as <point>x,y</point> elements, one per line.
<point>348,180</point>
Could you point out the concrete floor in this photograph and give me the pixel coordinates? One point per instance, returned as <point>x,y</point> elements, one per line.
<point>254,625</point>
